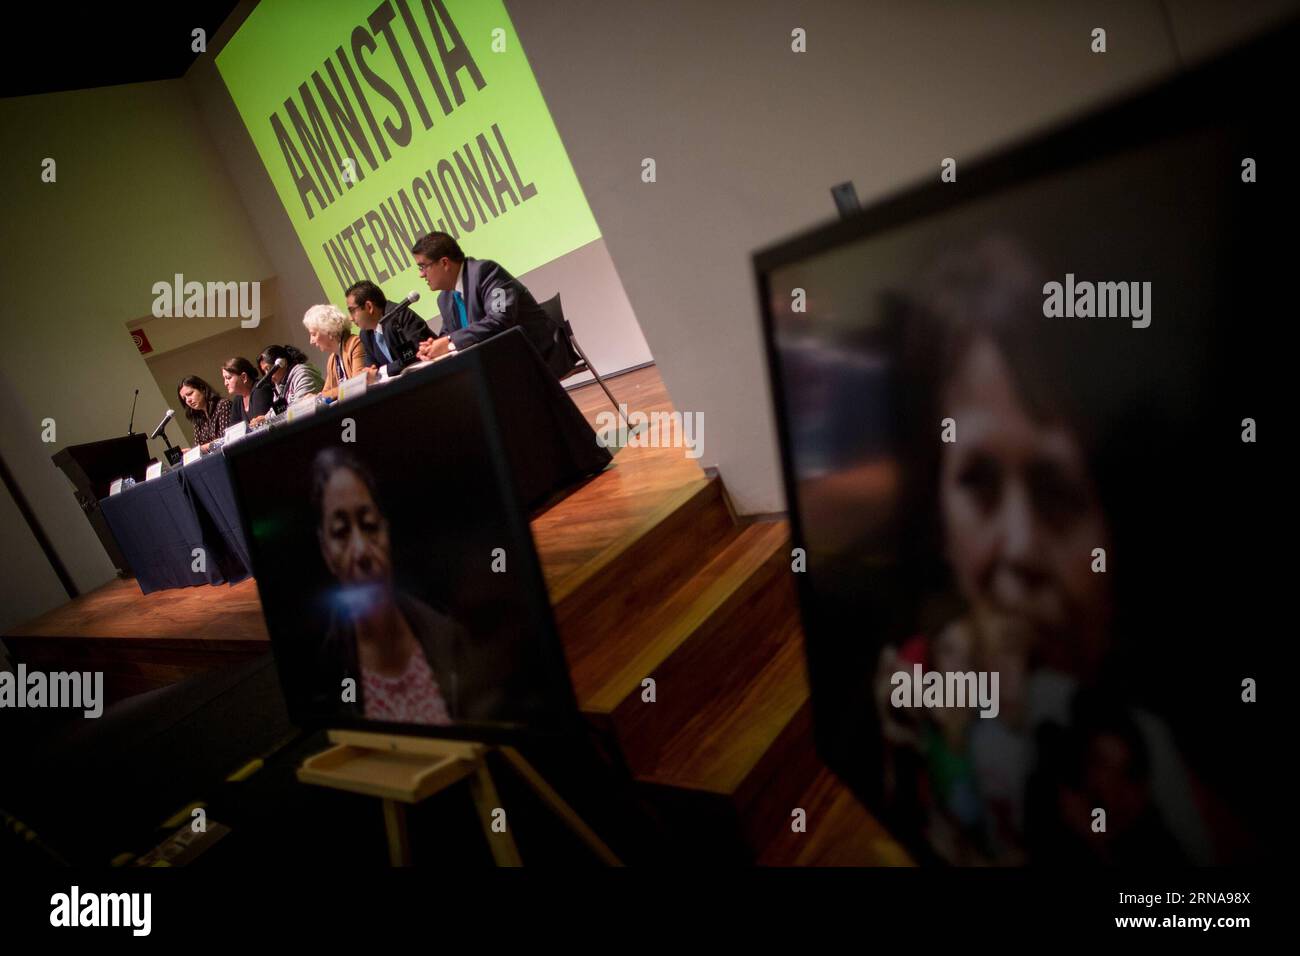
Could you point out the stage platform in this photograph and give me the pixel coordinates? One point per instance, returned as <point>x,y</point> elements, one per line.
<point>650,575</point>
<point>143,641</point>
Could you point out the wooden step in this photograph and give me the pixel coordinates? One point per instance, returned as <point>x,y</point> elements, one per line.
<point>750,752</point>
<point>730,777</point>
<point>840,832</point>
<point>613,589</point>
<point>708,609</point>
<point>604,510</point>
<point>711,636</point>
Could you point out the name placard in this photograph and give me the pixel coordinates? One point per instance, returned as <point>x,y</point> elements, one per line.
<point>234,433</point>
<point>115,488</point>
<point>153,471</point>
<point>191,456</point>
<point>353,387</point>
<point>301,408</point>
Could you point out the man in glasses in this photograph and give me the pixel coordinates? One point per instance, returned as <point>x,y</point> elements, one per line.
<point>479,299</point>
<point>390,333</point>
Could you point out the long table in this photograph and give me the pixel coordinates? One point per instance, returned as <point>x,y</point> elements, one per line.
<point>159,524</point>
<point>173,530</point>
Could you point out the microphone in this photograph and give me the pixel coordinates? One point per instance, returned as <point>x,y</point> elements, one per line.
<point>411,297</point>
<point>163,424</point>
<point>131,424</point>
<point>279,363</point>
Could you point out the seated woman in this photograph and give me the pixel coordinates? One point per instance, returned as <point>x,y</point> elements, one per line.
<point>331,332</point>
<point>246,402</point>
<point>402,654</point>
<point>209,414</point>
<point>298,377</point>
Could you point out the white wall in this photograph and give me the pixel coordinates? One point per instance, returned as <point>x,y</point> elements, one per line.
<point>138,197</point>
<point>748,137</point>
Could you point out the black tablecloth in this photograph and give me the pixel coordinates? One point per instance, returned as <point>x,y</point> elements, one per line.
<point>548,444</point>
<point>158,525</point>
<point>209,482</point>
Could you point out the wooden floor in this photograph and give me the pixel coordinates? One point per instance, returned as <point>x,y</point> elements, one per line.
<point>650,575</point>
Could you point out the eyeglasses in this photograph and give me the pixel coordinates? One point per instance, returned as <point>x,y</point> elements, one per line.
<point>423,267</point>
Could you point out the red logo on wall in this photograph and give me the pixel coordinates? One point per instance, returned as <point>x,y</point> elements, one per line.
<point>141,341</point>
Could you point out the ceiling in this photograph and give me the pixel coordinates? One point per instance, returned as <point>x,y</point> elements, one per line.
<point>50,48</point>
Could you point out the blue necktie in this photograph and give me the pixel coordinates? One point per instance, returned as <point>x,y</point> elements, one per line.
<point>383,346</point>
<point>460,307</point>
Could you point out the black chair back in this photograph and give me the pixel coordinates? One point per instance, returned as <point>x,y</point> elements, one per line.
<point>555,312</point>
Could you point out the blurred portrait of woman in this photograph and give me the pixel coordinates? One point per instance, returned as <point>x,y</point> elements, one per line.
<point>1021,517</point>
<point>402,654</point>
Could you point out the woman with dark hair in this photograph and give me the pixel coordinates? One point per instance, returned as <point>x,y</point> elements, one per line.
<point>1027,508</point>
<point>401,655</point>
<point>209,414</point>
<point>293,380</point>
<point>246,402</point>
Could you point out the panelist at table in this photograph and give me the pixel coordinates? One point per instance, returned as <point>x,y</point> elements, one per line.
<point>479,299</point>
<point>246,401</point>
<point>209,413</point>
<point>331,332</point>
<point>390,334</point>
<point>295,379</point>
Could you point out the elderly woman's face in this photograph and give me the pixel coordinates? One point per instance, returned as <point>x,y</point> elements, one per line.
<point>1021,515</point>
<point>324,341</point>
<point>353,532</point>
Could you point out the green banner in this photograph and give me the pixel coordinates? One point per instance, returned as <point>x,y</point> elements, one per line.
<point>378,124</point>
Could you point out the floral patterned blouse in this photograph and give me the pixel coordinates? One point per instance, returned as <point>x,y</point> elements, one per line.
<point>413,697</point>
<point>208,427</point>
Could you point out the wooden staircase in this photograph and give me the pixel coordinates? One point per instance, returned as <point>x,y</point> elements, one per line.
<point>705,607</point>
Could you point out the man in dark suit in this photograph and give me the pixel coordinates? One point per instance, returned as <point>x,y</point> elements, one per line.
<point>479,299</point>
<point>390,335</point>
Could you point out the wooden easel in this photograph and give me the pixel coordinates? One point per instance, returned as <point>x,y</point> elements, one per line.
<point>405,770</point>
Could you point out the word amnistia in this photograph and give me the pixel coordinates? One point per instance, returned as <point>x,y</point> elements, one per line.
<point>219,300</point>
<point>1124,300</point>
<point>347,111</point>
<point>946,689</point>
<point>75,690</point>
<point>103,909</point>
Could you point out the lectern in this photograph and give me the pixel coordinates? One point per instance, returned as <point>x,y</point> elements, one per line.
<point>94,466</point>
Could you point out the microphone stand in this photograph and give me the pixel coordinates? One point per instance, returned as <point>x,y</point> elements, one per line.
<point>401,349</point>
<point>170,451</point>
<point>130,427</point>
